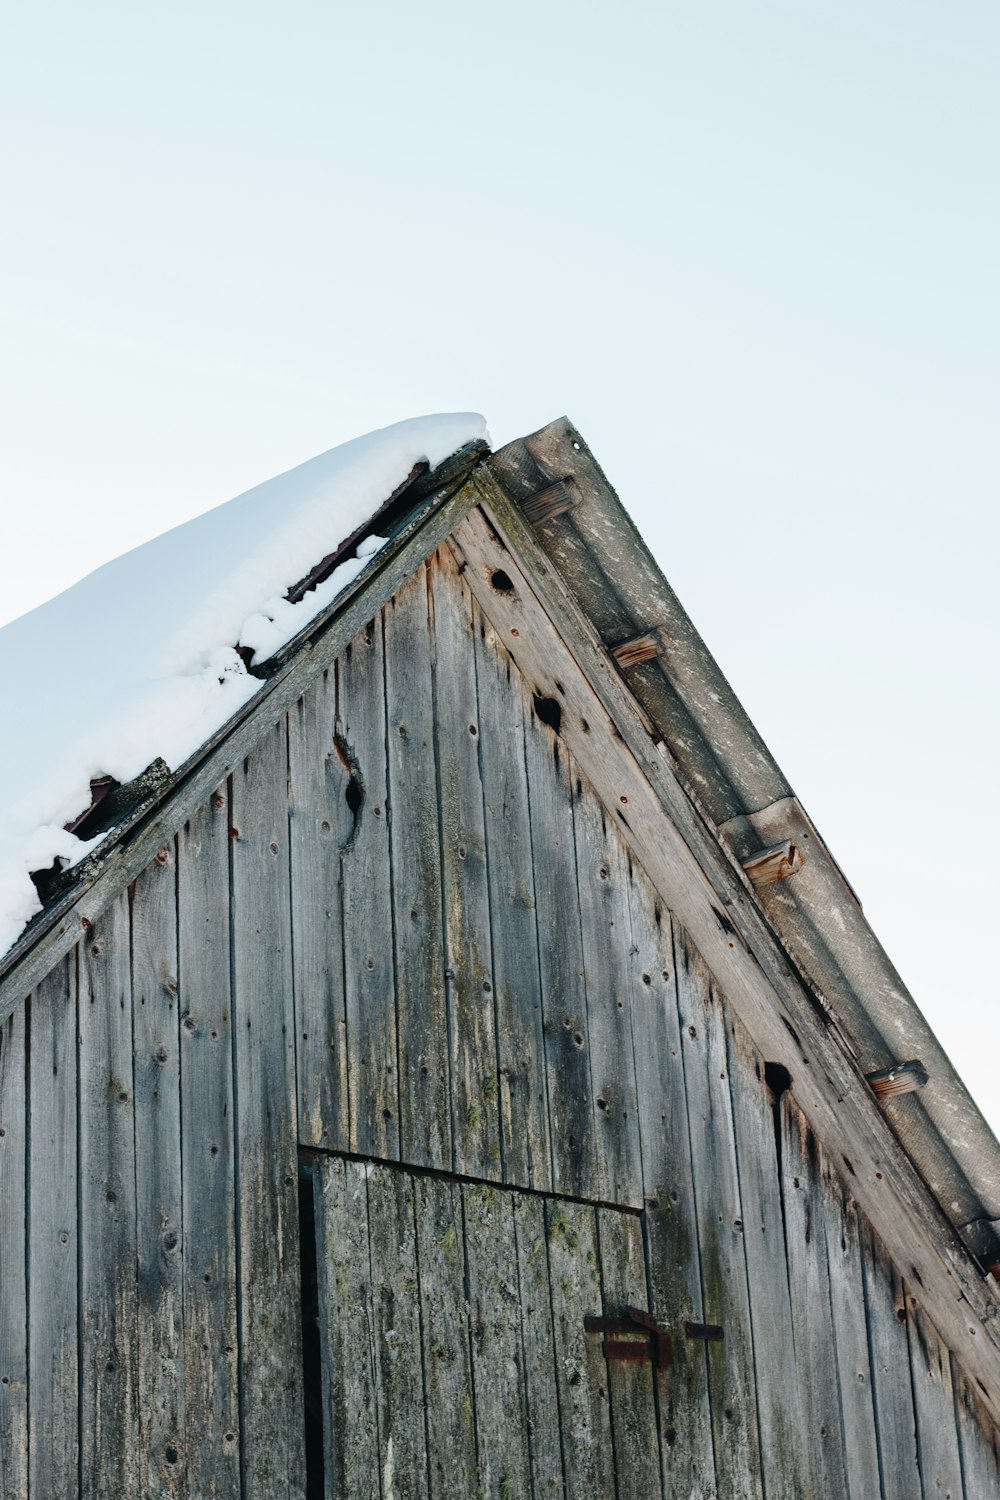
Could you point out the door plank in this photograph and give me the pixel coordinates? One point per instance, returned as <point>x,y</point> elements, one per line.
<point>632,1387</point>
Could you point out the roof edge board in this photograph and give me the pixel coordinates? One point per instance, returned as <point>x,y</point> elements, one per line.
<point>555,646</point>
<point>129,846</point>
<point>849,968</point>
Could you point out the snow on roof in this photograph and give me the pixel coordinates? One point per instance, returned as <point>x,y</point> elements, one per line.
<point>137,661</point>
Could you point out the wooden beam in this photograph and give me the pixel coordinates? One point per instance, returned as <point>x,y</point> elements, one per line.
<point>772,864</point>
<point>642,648</point>
<point>554,500</point>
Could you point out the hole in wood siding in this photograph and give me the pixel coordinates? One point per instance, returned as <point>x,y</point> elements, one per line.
<point>312,1359</point>
<point>501,581</point>
<point>777,1078</point>
<point>548,710</point>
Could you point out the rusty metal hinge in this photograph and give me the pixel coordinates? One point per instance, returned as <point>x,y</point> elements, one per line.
<point>640,1336</point>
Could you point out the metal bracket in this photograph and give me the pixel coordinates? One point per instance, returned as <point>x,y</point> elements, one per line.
<point>641,1337</point>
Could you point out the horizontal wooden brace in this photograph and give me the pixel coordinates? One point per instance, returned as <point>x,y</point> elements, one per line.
<point>554,500</point>
<point>773,864</point>
<point>641,648</point>
<point>902,1078</point>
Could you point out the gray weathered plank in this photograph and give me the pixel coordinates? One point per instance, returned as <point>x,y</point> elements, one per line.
<point>208,1273</point>
<point>319,824</point>
<point>560,957</point>
<point>538,1346</point>
<point>602,878</point>
<point>369,974</point>
<point>468,940</point>
<point>632,1387</point>
<point>978,1440</point>
<point>156,1067</point>
<point>424,1089</point>
<point>503,711</point>
<point>350,1418</point>
<point>13,1231</point>
<point>850,1330</point>
<point>812,1319</point>
<point>444,1327</point>
<point>267,1165</point>
<point>52,1315</point>
<point>398,1354</point>
<point>934,1404</point>
<point>725,1293</point>
<point>497,1354</point>
<point>581,1371</point>
<point>895,1421</point>
<point>668,1189</point>
<point>109,1414</point>
<point>778,1378</point>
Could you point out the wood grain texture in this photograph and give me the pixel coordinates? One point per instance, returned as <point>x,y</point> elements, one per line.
<point>468,940</point>
<point>504,712</point>
<point>537,1339</point>
<point>208,1154</point>
<point>347,1334</point>
<point>366,876</point>
<point>725,1293</point>
<point>934,1404</point>
<point>979,1443</point>
<point>109,1431</point>
<point>320,823</point>
<point>424,1084</point>
<point>267,1167</point>
<point>159,1212</point>
<point>52,1313</point>
<point>13,1237</point>
<point>850,1329</point>
<point>444,1329</point>
<point>602,883</point>
<point>674,1263</point>
<point>895,1420</point>
<point>633,1388</point>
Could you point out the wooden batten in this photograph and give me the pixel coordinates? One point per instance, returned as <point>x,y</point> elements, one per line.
<point>554,500</point>
<point>902,1078</point>
<point>773,864</point>
<point>641,648</point>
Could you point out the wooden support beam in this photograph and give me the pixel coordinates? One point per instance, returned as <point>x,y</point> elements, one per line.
<point>554,500</point>
<point>901,1078</point>
<point>642,648</point>
<point>772,864</point>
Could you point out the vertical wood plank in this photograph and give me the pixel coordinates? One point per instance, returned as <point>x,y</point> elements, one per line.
<point>851,1338</point>
<point>893,1399</point>
<point>13,1233</point>
<point>425,1107</point>
<point>812,1320</point>
<point>934,1403</point>
<point>156,1040</point>
<point>602,874</point>
<point>668,1188</point>
<point>631,1386</point>
<point>369,972</point>
<point>581,1370</point>
<point>208,1175</point>
<point>560,956</point>
<point>979,1442</point>
<point>319,824</point>
<point>497,1356</point>
<point>539,1348</point>
<point>267,1166</point>
<point>468,941</point>
<point>398,1355</point>
<point>347,1335</point>
<point>444,1322</point>
<point>108,1375</point>
<point>725,1293</point>
<point>778,1376</point>
<point>52,1315</point>
<point>503,709</point>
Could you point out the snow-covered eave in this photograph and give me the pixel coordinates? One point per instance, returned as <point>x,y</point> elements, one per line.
<point>415,519</point>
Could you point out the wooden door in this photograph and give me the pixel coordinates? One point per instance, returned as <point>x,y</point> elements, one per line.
<point>454,1357</point>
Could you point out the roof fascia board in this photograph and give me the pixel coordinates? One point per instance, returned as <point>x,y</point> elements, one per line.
<point>730,774</point>
<point>129,847</point>
<point>561,655</point>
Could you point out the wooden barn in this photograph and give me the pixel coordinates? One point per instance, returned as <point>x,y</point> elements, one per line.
<point>471,1075</point>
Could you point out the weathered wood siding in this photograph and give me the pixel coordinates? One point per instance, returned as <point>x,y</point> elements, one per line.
<point>406,943</point>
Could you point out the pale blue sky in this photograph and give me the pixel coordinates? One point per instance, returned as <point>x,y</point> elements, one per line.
<point>751,250</point>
